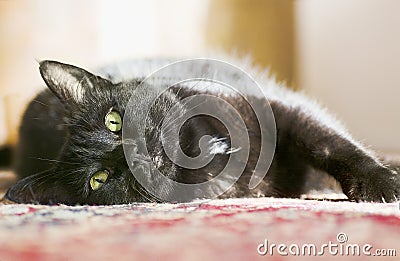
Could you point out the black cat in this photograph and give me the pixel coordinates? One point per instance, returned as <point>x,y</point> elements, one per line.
<point>71,151</point>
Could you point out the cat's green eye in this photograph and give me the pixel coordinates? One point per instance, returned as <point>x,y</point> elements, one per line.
<point>113,121</point>
<point>98,179</point>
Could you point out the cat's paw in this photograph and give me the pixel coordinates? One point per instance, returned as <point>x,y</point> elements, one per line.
<point>374,185</point>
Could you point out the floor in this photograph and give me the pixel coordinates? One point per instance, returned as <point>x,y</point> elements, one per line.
<point>233,229</point>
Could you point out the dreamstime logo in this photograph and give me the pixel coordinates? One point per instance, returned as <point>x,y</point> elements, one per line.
<point>341,237</point>
<point>341,248</point>
<point>156,96</point>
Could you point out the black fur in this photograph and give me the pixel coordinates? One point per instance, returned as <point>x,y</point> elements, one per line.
<point>64,141</point>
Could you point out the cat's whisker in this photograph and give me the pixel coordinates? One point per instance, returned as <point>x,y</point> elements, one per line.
<point>41,173</point>
<point>57,161</point>
<point>40,180</point>
<point>85,121</point>
<point>42,103</point>
<point>72,125</point>
<point>32,194</point>
<point>138,188</point>
<point>35,179</point>
<point>148,197</point>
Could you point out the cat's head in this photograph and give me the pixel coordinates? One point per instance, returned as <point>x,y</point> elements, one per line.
<point>91,167</point>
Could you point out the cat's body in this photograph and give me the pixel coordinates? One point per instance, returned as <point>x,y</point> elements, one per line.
<point>64,143</point>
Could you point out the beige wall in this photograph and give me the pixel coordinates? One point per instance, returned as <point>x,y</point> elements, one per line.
<point>349,58</point>
<point>346,53</point>
<point>87,33</point>
<point>260,28</point>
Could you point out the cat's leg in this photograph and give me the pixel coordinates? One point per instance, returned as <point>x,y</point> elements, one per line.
<point>319,141</point>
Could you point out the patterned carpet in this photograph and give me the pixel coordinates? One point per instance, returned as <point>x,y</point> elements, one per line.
<point>234,229</point>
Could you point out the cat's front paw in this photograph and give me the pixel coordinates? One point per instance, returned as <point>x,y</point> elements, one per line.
<point>374,185</point>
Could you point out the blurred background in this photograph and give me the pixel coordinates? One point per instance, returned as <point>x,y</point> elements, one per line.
<point>344,53</point>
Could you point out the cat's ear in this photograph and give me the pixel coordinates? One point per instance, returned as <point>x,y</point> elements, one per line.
<point>42,188</point>
<point>68,82</point>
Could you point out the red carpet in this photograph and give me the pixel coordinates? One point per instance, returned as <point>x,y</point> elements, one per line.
<point>216,230</point>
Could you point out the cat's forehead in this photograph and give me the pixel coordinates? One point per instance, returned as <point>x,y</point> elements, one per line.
<point>107,95</point>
